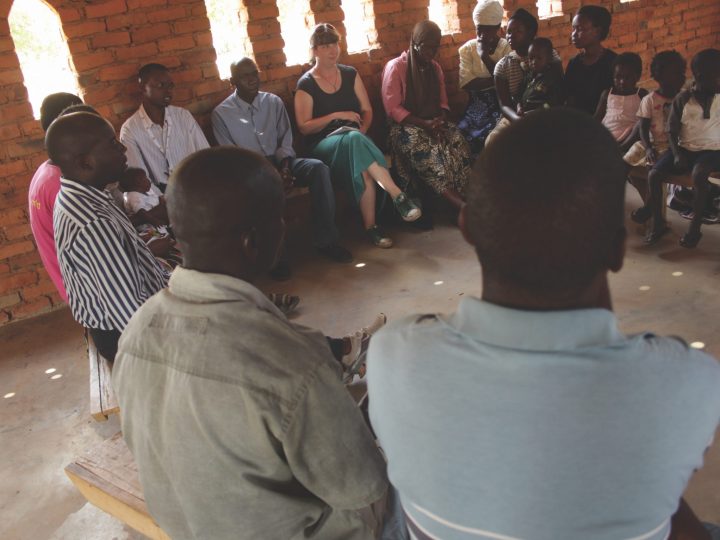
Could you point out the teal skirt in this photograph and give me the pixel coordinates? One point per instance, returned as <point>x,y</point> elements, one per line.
<point>348,155</point>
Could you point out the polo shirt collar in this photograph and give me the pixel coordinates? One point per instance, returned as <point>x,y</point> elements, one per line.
<point>244,105</point>
<point>98,195</point>
<point>536,330</point>
<point>197,286</point>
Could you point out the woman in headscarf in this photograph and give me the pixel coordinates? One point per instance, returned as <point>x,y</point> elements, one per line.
<point>423,144</point>
<point>477,64</point>
<point>333,111</point>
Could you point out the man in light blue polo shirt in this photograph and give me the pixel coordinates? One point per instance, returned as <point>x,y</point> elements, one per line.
<point>527,414</point>
<point>258,121</point>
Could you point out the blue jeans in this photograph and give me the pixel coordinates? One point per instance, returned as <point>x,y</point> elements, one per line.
<point>315,175</point>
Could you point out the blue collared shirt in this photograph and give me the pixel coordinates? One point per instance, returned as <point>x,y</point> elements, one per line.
<point>107,269</point>
<point>262,126</point>
<point>501,423</point>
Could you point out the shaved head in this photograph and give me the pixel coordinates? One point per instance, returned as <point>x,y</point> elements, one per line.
<point>85,148</point>
<point>552,220</point>
<point>226,205</point>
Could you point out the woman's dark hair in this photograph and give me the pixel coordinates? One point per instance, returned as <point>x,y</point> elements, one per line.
<point>599,17</point>
<point>705,60</point>
<point>629,60</point>
<point>662,60</point>
<point>525,17</point>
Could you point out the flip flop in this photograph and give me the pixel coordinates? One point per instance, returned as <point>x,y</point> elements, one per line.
<point>284,302</point>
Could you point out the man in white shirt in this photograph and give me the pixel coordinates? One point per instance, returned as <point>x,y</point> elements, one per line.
<point>159,136</point>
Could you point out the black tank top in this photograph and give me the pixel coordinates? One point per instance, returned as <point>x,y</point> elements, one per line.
<point>323,103</point>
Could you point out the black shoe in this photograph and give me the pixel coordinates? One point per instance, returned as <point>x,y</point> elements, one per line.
<point>641,215</point>
<point>690,240</point>
<point>281,271</point>
<point>424,223</point>
<point>336,252</point>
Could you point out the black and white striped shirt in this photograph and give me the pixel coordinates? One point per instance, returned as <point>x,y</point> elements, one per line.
<point>107,269</point>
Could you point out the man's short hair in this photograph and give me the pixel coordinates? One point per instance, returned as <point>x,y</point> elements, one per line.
<point>546,201</point>
<point>53,105</point>
<point>665,59</point>
<point>150,69</point>
<point>629,60</point>
<point>599,17</point>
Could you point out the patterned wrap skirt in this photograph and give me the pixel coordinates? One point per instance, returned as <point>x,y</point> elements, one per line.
<point>442,165</point>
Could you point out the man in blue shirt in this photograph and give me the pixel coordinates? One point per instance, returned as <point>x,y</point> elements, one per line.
<point>527,413</point>
<point>258,121</point>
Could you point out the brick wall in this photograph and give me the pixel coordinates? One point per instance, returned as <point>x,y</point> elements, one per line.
<point>110,39</point>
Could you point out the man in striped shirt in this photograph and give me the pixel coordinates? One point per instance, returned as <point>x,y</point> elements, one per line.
<point>107,269</point>
<point>159,136</point>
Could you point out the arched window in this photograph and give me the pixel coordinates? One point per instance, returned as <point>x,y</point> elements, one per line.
<point>549,8</point>
<point>228,25</point>
<point>296,22</point>
<point>41,50</point>
<point>361,34</point>
<point>444,13</point>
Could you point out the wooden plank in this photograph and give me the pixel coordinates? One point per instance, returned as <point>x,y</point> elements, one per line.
<point>107,477</point>
<point>103,402</point>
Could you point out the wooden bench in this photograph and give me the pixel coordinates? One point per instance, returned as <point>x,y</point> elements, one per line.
<point>640,175</point>
<point>103,402</point>
<point>108,478</point>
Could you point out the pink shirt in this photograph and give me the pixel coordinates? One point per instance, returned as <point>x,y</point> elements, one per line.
<point>44,188</point>
<point>394,79</point>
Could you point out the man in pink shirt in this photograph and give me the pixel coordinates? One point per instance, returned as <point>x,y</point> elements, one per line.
<point>44,188</point>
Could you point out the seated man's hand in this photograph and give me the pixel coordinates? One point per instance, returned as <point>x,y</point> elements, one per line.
<point>287,178</point>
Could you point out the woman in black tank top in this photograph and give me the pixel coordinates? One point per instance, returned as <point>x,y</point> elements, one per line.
<point>333,111</point>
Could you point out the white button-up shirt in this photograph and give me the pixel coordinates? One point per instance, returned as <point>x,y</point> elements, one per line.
<point>159,149</point>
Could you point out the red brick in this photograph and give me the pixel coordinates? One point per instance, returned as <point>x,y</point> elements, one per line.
<point>11,76</point>
<point>141,51</point>
<point>176,44</point>
<point>10,168</point>
<point>113,7</point>
<point>18,231</point>
<point>92,60</point>
<point>135,4</point>
<point>258,12</point>
<point>118,72</point>
<point>11,250</point>
<point>192,25</point>
<point>9,60</point>
<point>77,46</point>
<point>69,14</point>
<point>28,309</point>
<point>167,14</point>
<point>210,87</point>
<point>9,131</point>
<point>4,317</point>
<point>273,44</point>
<point>204,39</point>
<point>150,33</point>
<point>111,39</point>
<point>44,287</point>
<point>9,300</point>
<point>84,28</point>
<point>17,280</point>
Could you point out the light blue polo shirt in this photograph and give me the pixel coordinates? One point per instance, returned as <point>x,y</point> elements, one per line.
<point>507,424</point>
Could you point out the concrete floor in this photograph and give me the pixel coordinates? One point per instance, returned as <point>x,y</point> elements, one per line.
<point>47,423</point>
